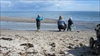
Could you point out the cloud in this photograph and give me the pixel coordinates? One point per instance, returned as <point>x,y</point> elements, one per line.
<point>82,4</point>
<point>39,5</point>
<point>6,4</point>
<point>26,1</point>
<point>46,5</point>
<point>44,0</point>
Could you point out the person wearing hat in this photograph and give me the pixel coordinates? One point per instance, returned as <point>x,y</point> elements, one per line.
<point>38,21</point>
<point>70,22</point>
<point>61,24</point>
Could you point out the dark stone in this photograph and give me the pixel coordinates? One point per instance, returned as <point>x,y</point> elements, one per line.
<point>27,44</point>
<point>81,44</point>
<point>77,40</point>
<point>7,39</point>
<point>78,31</point>
<point>71,44</point>
<point>51,54</point>
<point>70,47</point>
<point>62,52</point>
<point>53,44</point>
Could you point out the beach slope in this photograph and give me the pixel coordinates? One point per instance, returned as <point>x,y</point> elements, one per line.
<point>21,43</point>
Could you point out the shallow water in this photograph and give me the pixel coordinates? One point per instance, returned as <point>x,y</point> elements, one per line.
<point>26,26</point>
<point>44,26</point>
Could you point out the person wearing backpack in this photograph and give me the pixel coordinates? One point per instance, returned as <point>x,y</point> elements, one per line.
<point>38,22</point>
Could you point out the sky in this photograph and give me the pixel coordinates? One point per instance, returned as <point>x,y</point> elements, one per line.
<point>50,5</point>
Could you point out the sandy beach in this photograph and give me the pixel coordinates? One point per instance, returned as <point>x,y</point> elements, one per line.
<point>45,42</point>
<point>68,43</point>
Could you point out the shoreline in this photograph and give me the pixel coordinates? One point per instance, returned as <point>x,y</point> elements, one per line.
<point>30,20</point>
<point>30,24</point>
<point>44,26</point>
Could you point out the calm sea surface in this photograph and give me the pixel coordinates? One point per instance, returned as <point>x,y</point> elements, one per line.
<point>76,15</point>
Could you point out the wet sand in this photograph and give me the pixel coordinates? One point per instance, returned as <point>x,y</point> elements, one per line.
<point>30,20</point>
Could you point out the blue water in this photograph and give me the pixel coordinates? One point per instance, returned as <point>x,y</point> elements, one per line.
<point>76,15</point>
<point>26,26</point>
<point>44,26</point>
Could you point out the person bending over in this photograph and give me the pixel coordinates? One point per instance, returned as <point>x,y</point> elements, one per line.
<point>61,24</point>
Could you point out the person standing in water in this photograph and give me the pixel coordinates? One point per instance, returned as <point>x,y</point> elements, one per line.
<point>38,22</point>
<point>70,22</point>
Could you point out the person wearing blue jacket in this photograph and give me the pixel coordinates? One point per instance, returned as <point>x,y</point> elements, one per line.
<point>61,24</point>
<point>38,21</point>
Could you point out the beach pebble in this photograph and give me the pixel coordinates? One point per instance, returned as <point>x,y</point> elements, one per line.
<point>49,54</point>
<point>53,44</point>
<point>76,40</point>
<point>61,52</point>
<point>81,44</point>
<point>27,44</point>
<point>71,44</point>
<point>70,47</point>
<point>9,39</point>
<point>78,31</point>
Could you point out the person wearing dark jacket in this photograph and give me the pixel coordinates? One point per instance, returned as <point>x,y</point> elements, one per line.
<point>97,29</point>
<point>61,24</point>
<point>70,22</point>
<point>38,21</point>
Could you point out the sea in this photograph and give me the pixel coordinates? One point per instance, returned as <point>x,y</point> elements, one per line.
<point>90,17</point>
<point>76,15</point>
